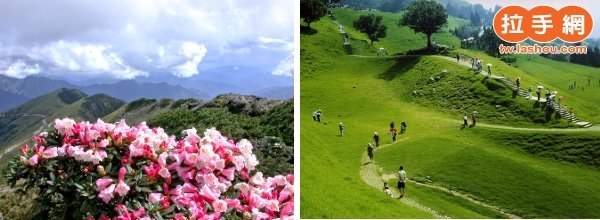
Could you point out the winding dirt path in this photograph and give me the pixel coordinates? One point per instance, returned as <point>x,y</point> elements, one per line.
<point>371,174</point>
<point>594,128</point>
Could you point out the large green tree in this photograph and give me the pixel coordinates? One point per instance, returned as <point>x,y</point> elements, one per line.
<point>371,25</point>
<point>312,10</point>
<point>424,16</point>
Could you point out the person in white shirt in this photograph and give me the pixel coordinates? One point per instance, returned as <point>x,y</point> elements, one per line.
<point>401,181</point>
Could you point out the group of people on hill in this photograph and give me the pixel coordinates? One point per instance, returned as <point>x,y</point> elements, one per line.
<point>473,119</point>
<point>475,63</point>
<point>376,138</point>
<point>370,150</point>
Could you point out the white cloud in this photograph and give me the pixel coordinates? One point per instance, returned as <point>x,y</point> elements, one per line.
<point>126,39</point>
<point>85,59</point>
<point>194,54</point>
<point>18,69</point>
<point>275,43</point>
<point>285,67</point>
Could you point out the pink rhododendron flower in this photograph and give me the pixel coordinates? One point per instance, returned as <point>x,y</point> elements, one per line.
<point>122,188</point>
<point>50,153</point>
<point>24,149</point>
<point>272,205</point>
<point>107,194</point>
<point>257,179</point>
<point>155,197</point>
<point>196,174</point>
<point>219,206</point>
<point>33,160</point>
<point>64,126</point>
<point>103,183</point>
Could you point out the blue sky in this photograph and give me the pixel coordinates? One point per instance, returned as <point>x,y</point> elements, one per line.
<point>140,38</point>
<point>592,6</point>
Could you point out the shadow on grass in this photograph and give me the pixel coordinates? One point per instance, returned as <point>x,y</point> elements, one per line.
<point>307,30</point>
<point>402,65</point>
<point>366,163</point>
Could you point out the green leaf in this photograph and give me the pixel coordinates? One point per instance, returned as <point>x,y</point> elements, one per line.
<point>52,177</point>
<point>145,189</point>
<point>78,186</point>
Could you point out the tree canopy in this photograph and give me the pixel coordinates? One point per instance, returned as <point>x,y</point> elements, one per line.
<point>312,10</point>
<point>371,25</point>
<point>424,16</point>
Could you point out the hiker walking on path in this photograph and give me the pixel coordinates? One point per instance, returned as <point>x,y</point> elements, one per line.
<point>392,125</point>
<point>370,151</point>
<point>465,119</point>
<point>538,91</point>
<point>518,81</point>
<point>402,127</point>
<point>376,139</point>
<point>386,189</point>
<point>474,119</point>
<point>457,57</point>
<point>341,129</point>
<point>314,114</point>
<point>401,181</point>
<point>319,115</point>
<point>472,63</point>
<point>529,92</point>
<point>560,98</point>
<point>393,131</point>
<point>489,65</point>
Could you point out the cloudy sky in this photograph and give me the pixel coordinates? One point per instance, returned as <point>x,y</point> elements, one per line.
<point>136,38</point>
<point>592,6</point>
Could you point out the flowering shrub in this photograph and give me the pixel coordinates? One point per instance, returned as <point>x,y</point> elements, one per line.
<point>113,171</point>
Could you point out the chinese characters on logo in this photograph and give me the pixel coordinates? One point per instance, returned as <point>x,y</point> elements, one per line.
<point>543,24</point>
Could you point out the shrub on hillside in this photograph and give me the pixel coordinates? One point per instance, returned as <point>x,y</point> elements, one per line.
<point>102,170</point>
<point>137,103</point>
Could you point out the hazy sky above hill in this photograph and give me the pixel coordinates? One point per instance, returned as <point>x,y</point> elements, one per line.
<point>127,39</point>
<point>592,6</point>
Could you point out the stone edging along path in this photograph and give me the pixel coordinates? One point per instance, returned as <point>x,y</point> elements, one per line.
<point>370,174</point>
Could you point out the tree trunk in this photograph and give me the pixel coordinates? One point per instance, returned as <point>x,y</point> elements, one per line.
<point>308,24</point>
<point>428,41</point>
<point>371,42</point>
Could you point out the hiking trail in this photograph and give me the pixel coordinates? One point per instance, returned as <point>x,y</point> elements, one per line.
<point>371,174</point>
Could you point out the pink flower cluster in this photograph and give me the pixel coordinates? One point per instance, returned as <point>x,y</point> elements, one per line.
<point>207,169</point>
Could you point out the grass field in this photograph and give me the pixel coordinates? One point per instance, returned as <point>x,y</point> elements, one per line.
<point>554,75</point>
<point>400,39</point>
<point>488,164</point>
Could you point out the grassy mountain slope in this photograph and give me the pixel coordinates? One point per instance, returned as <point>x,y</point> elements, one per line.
<point>399,39</point>
<point>18,123</point>
<point>366,93</point>
<point>554,75</point>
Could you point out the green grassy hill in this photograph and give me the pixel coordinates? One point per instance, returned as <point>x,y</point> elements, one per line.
<point>554,75</point>
<point>543,173</point>
<point>560,75</point>
<point>18,123</point>
<point>399,39</point>
<point>140,110</point>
